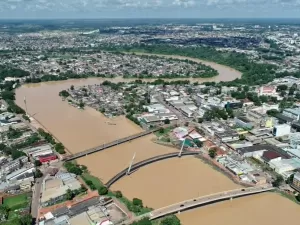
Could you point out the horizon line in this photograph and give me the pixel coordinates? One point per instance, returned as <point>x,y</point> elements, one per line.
<point>162,18</point>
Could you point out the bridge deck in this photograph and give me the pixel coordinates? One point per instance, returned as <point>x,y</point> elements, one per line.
<point>109,145</point>
<point>181,206</point>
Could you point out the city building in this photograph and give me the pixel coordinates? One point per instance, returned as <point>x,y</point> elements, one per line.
<point>47,158</point>
<point>284,167</point>
<point>25,173</point>
<point>156,108</point>
<point>281,130</point>
<point>293,113</point>
<point>267,90</point>
<point>55,189</point>
<point>257,151</point>
<point>296,181</point>
<point>39,150</point>
<point>221,131</point>
<point>243,122</point>
<point>13,165</point>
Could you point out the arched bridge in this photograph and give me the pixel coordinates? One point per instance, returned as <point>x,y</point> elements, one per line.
<point>146,162</point>
<point>109,145</point>
<point>204,200</point>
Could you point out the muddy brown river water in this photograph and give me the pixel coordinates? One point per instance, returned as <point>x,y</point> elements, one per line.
<point>158,184</point>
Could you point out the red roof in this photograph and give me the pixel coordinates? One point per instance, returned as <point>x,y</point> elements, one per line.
<point>269,155</point>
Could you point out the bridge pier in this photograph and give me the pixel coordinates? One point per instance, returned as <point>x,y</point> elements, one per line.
<point>180,153</point>
<point>130,165</point>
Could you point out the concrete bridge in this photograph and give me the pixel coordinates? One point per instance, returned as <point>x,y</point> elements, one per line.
<point>146,162</point>
<point>109,145</point>
<point>205,200</point>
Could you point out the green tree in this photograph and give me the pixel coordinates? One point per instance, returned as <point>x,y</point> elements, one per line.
<point>167,121</point>
<point>277,182</point>
<point>15,154</point>
<point>170,220</point>
<point>4,210</point>
<point>137,202</point>
<point>26,219</point>
<point>72,87</point>
<point>161,130</point>
<point>144,221</point>
<point>81,104</point>
<point>37,163</point>
<point>102,190</point>
<point>38,173</point>
<point>272,112</point>
<point>119,194</point>
<point>200,120</point>
<point>281,88</point>
<point>26,118</point>
<point>60,148</point>
<point>242,137</point>
<point>64,94</point>
<point>212,153</point>
<point>290,179</point>
<point>298,197</point>
<point>69,194</point>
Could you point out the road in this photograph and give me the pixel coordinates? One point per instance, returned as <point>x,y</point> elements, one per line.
<point>35,204</point>
<point>37,189</point>
<point>179,115</point>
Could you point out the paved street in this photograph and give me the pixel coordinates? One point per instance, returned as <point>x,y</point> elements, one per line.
<point>36,197</point>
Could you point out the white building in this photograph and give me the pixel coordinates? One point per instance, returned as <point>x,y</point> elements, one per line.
<point>281,130</point>
<point>156,108</point>
<point>21,174</point>
<point>285,165</point>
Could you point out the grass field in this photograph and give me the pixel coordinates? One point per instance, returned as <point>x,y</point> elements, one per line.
<point>16,202</point>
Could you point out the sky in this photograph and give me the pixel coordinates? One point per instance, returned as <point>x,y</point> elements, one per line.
<point>55,9</point>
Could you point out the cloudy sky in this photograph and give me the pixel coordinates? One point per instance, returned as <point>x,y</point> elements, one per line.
<point>149,8</point>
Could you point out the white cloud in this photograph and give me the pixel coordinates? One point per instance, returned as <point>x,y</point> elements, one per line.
<point>95,5</point>
<point>184,3</point>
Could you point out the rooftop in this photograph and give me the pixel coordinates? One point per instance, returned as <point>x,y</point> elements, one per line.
<point>293,110</point>
<point>265,147</point>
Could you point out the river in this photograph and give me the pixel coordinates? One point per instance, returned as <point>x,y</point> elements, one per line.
<point>158,184</point>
